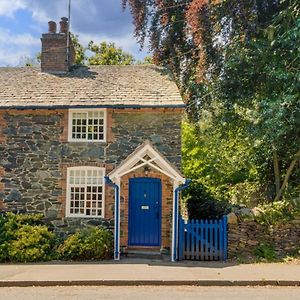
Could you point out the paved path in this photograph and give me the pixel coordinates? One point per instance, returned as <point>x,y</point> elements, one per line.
<point>150,293</point>
<point>141,272</point>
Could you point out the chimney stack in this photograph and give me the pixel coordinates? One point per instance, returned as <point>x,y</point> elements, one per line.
<point>56,58</point>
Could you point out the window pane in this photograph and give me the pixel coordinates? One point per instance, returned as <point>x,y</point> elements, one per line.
<point>86,192</point>
<point>88,126</point>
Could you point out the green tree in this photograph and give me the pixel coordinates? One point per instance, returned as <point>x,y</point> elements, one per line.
<point>260,88</point>
<point>80,56</point>
<point>237,63</point>
<point>108,54</point>
<point>148,60</point>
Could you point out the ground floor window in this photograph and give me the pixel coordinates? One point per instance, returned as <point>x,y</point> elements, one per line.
<point>85,197</point>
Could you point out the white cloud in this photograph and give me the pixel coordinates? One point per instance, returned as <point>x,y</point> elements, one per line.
<point>25,39</point>
<point>9,7</point>
<point>10,57</point>
<point>97,20</point>
<point>14,47</point>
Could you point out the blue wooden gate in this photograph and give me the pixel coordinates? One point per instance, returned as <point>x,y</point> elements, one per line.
<point>203,239</point>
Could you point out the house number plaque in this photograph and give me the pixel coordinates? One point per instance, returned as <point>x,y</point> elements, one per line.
<point>145,207</point>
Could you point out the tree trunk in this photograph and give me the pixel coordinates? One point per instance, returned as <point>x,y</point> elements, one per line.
<point>287,176</point>
<point>276,170</point>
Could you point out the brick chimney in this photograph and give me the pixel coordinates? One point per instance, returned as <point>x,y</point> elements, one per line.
<point>55,57</point>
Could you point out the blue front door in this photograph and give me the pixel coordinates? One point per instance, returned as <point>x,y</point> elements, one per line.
<point>144,222</point>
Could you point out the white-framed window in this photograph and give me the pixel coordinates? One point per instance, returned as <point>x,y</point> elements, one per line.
<point>87,125</point>
<point>85,192</point>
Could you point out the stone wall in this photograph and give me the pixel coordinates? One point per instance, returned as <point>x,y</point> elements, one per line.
<point>130,128</point>
<point>31,159</point>
<point>245,236</point>
<point>35,154</point>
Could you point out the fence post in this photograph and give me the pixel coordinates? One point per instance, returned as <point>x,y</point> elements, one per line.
<point>225,237</point>
<point>216,246</point>
<point>192,230</point>
<point>221,239</point>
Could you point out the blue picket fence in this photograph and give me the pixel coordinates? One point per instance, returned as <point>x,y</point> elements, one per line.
<point>202,239</point>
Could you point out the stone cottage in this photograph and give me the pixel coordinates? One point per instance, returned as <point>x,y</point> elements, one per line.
<point>92,145</point>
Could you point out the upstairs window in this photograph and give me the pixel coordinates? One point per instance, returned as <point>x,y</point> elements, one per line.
<point>85,197</point>
<point>87,125</point>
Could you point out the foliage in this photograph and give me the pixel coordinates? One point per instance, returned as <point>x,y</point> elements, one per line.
<point>201,205</point>
<point>277,212</point>
<point>3,240</point>
<point>80,56</point>
<point>237,63</point>
<point>260,89</point>
<point>108,54</point>
<point>31,243</point>
<point>148,60</point>
<point>221,164</point>
<point>265,251</point>
<point>87,244</point>
<point>23,238</point>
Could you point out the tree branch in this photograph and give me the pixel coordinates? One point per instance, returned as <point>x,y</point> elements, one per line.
<point>287,176</point>
<point>276,170</point>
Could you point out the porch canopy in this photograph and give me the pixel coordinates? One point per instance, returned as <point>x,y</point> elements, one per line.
<point>146,155</point>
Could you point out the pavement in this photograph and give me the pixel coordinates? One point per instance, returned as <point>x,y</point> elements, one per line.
<point>141,272</point>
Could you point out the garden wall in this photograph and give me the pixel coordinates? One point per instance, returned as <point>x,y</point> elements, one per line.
<point>246,236</point>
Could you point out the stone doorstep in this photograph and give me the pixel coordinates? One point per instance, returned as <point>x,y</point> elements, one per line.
<point>145,252</point>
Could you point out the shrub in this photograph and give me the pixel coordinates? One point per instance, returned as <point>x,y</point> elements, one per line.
<point>3,240</point>
<point>246,193</point>
<point>201,205</point>
<point>87,244</point>
<point>276,212</point>
<point>265,251</point>
<point>32,243</point>
<point>23,238</point>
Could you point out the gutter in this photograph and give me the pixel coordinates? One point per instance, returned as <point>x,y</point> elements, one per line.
<point>176,214</point>
<point>117,217</point>
<point>91,106</point>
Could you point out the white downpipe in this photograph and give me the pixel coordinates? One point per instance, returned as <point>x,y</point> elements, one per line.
<point>118,183</point>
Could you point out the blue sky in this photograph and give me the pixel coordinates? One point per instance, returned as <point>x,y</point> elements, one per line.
<point>23,21</point>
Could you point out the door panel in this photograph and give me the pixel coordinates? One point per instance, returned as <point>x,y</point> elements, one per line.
<point>144,222</point>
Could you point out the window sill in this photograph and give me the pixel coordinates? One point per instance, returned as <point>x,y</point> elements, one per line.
<point>86,141</point>
<point>84,217</point>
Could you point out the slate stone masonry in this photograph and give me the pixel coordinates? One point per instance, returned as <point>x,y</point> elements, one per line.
<point>244,237</point>
<point>34,150</point>
<point>31,158</point>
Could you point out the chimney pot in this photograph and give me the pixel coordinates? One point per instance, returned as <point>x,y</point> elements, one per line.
<point>64,25</point>
<point>52,27</point>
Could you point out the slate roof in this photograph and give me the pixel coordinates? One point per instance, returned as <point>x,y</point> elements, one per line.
<point>95,86</point>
